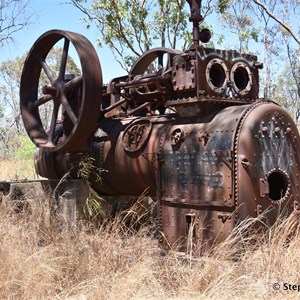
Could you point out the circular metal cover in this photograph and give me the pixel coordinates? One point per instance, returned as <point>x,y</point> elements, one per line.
<point>136,135</point>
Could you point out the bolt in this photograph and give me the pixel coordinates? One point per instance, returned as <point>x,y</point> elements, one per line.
<point>277,129</point>
<point>289,130</point>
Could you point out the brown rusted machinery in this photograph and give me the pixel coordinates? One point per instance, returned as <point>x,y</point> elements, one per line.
<point>187,125</point>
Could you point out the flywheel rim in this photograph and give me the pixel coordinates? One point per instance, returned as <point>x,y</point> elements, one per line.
<point>140,66</point>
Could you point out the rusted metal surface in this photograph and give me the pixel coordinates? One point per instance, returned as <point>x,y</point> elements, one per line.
<point>187,126</point>
<point>267,162</point>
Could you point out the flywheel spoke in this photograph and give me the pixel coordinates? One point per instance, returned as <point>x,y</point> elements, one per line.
<point>68,108</point>
<point>74,83</point>
<point>160,59</point>
<point>47,71</point>
<point>64,59</point>
<point>44,99</point>
<point>53,123</point>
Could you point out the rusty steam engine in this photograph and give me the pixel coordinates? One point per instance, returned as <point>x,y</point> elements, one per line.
<point>189,126</point>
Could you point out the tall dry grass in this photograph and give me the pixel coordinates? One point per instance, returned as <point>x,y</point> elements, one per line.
<point>41,259</point>
<point>17,169</point>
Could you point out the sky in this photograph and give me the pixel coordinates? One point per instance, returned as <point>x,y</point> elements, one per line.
<point>53,14</point>
<point>57,14</point>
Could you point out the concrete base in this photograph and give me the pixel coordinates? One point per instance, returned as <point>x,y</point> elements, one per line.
<point>63,199</point>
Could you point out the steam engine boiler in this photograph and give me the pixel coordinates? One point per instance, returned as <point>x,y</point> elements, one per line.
<point>186,125</point>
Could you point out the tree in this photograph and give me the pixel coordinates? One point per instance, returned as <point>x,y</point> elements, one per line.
<point>236,17</point>
<point>286,15</point>
<point>285,92</point>
<point>10,74</point>
<point>289,10</point>
<point>14,16</point>
<point>273,25</point>
<point>131,27</point>
<point>271,47</point>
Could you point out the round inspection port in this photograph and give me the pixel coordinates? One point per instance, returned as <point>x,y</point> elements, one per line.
<point>278,185</point>
<point>241,77</point>
<point>216,75</point>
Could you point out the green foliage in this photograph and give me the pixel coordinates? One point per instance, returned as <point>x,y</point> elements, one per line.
<point>254,33</point>
<point>86,169</point>
<point>10,74</point>
<point>15,146</point>
<point>26,148</point>
<point>285,91</point>
<point>11,70</point>
<point>223,5</point>
<point>240,22</point>
<point>93,207</point>
<point>130,28</point>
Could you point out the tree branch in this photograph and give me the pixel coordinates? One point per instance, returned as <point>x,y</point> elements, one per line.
<point>13,18</point>
<point>284,25</point>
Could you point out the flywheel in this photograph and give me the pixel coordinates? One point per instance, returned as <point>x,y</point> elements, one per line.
<point>161,57</point>
<point>52,93</point>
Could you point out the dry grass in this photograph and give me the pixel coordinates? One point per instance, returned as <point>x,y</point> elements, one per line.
<point>41,260</point>
<point>17,169</point>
